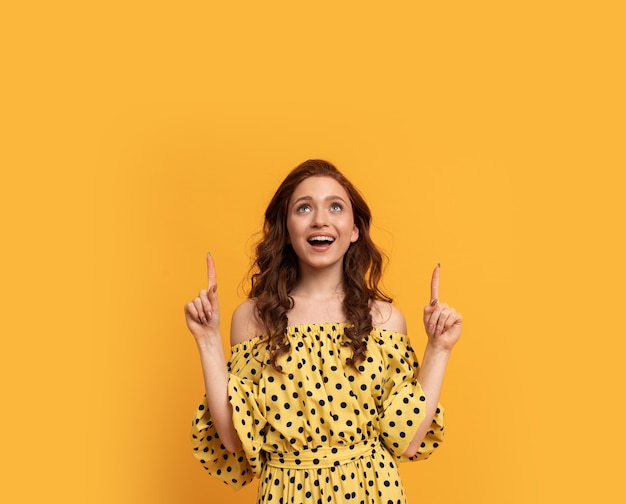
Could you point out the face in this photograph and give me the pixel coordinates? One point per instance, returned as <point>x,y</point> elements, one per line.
<point>320,222</point>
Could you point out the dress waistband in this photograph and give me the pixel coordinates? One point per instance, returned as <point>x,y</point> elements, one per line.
<point>322,456</point>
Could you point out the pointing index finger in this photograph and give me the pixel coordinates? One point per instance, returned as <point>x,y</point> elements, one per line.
<point>434,285</point>
<point>210,267</point>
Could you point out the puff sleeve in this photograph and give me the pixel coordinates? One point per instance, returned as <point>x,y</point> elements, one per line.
<point>402,404</point>
<point>234,469</point>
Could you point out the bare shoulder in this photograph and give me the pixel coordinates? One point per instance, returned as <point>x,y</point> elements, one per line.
<point>387,316</point>
<point>244,324</point>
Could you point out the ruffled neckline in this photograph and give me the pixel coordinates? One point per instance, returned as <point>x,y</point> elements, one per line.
<point>303,329</point>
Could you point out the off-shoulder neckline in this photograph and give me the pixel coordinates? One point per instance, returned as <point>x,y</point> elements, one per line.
<point>290,328</point>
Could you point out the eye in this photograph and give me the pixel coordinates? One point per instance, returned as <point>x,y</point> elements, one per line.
<point>303,209</point>
<point>336,207</point>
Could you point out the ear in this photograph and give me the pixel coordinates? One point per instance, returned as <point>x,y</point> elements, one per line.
<point>355,234</point>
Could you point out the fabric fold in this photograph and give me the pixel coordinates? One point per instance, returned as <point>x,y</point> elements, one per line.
<point>316,413</point>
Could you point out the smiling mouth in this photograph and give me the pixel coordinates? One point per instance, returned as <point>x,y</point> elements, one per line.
<point>321,240</point>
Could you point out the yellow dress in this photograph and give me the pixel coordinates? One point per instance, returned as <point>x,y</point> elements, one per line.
<point>320,432</point>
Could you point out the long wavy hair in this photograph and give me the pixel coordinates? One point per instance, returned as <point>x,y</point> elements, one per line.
<point>275,270</point>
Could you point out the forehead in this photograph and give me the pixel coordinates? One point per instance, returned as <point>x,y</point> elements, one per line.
<point>319,188</point>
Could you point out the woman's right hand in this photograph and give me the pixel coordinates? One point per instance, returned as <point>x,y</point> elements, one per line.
<point>202,314</point>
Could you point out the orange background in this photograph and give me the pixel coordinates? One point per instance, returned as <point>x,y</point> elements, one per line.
<point>136,136</point>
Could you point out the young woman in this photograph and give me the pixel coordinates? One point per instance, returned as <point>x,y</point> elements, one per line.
<point>322,394</point>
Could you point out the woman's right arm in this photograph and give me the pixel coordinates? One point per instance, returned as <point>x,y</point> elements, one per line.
<point>202,315</point>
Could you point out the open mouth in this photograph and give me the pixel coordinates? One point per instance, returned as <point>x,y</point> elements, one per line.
<point>321,240</point>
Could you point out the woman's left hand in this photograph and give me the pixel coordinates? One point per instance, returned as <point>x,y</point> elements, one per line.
<point>442,323</point>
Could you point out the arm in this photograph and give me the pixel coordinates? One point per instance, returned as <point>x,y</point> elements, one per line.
<point>443,326</point>
<point>202,317</point>
<point>430,378</point>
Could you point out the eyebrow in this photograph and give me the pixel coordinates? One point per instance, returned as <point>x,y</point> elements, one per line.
<point>327,198</point>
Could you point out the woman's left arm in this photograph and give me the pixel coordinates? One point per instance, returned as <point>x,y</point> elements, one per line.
<point>443,327</point>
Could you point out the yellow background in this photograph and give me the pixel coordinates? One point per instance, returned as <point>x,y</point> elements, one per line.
<point>136,136</point>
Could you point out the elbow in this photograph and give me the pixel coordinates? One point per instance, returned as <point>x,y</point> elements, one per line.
<point>417,442</point>
<point>413,448</point>
<point>409,453</point>
<point>232,445</point>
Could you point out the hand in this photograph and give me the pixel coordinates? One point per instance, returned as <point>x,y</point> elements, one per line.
<point>202,314</point>
<point>442,323</point>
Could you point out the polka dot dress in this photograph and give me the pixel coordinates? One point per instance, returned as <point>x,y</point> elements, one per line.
<point>320,432</point>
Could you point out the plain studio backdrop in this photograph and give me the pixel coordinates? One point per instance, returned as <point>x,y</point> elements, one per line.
<point>137,136</point>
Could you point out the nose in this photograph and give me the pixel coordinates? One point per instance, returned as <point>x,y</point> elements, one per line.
<point>319,219</point>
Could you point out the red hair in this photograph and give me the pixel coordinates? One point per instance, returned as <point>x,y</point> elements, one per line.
<point>275,271</point>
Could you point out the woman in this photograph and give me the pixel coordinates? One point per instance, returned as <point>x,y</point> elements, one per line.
<point>322,394</point>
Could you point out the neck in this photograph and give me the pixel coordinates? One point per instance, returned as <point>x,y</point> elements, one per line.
<point>319,284</point>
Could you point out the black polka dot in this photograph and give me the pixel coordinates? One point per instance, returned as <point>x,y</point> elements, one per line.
<point>376,400</point>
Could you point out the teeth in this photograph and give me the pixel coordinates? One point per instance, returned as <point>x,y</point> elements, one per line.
<point>321,239</point>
